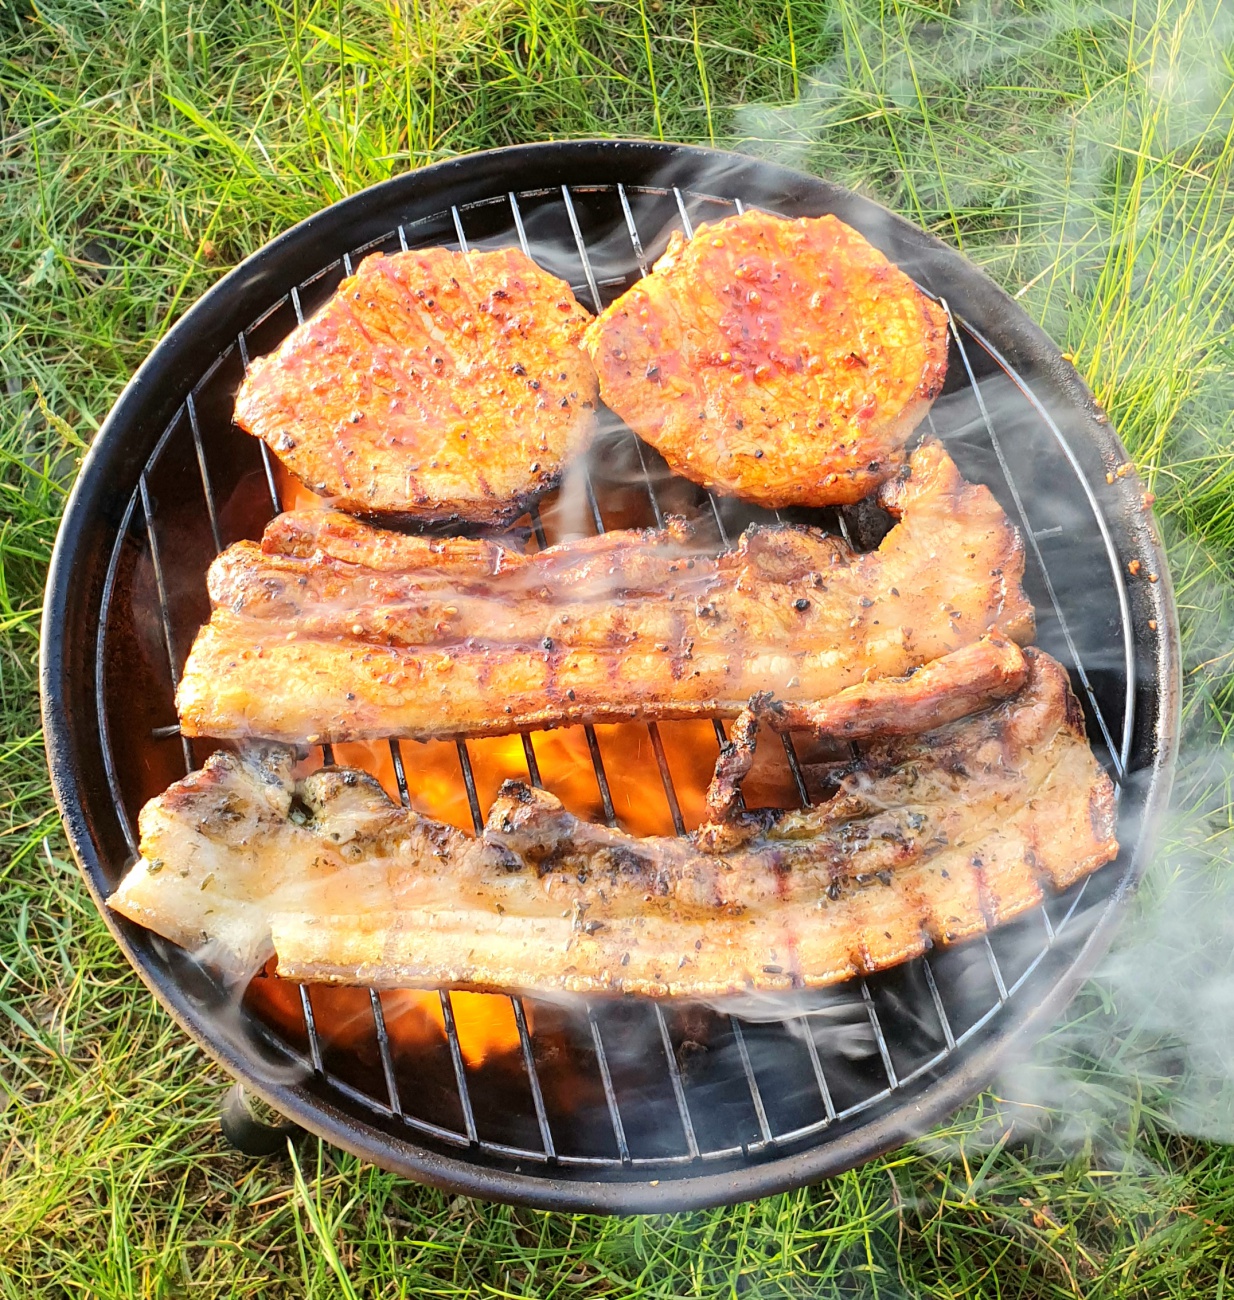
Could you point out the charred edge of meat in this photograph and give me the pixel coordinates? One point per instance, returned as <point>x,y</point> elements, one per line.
<point>733,766</point>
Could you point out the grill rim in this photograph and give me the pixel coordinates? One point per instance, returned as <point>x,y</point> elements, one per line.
<point>164,381</point>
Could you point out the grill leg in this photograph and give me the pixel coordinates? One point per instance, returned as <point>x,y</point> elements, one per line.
<point>252,1127</point>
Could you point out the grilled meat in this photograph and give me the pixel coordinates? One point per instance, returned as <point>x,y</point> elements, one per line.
<point>928,840</point>
<point>433,386</point>
<point>786,362</point>
<point>960,683</point>
<point>335,631</point>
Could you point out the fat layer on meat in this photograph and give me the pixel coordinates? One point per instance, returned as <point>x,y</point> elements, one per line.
<point>332,630</point>
<point>927,840</point>
<point>433,386</point>
<point>784,361</point>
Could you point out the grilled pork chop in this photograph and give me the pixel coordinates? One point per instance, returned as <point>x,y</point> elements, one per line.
<point>331,630</point>
<point>928,840</point>
<point>786,362</point>
<point>433,386</point>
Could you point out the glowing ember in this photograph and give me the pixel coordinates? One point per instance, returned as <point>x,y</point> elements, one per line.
<point>292,494</point>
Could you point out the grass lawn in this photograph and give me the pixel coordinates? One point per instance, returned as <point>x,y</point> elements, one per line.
<point>1081,153</point>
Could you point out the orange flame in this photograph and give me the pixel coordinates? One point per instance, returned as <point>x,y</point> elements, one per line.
<point>292,494</point>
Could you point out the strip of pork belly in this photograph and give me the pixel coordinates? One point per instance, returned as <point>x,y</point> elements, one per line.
<point>928,840</point>
<point>960,683</point>
<point>332,630</point>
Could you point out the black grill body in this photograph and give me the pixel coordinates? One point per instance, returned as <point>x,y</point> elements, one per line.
<point>613,1106</point>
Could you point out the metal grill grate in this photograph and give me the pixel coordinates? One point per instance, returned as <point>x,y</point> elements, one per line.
<point>850,1048</point>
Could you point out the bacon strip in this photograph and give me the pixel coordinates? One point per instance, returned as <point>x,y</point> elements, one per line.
<point>332,630</point>
<point>927,840</point>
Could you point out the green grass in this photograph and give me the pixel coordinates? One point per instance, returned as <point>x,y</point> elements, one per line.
<point>1081,153</point>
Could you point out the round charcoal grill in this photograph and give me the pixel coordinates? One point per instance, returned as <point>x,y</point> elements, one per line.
<point>613,1105</point>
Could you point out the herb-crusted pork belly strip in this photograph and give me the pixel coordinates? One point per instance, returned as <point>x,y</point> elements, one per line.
<point>331,630</point>
<point>928,840</point>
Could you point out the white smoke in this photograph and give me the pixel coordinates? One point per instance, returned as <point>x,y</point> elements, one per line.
<point>1155,1027</point>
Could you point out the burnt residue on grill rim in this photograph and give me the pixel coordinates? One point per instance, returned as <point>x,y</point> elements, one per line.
<point>661,185</point>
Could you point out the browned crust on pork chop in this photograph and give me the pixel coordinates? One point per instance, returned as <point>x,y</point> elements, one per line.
<point>786,362</point>
<point>433,386</point>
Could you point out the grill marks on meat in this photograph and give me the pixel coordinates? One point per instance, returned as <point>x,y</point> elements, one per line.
<point>331,630</point>
<point>786,362</point>
<point>434,386</point>
<point>928,840</point>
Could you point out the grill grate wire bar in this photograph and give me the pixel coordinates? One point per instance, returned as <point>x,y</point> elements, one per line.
<point>1118,753</point>
<point>694,1152</point>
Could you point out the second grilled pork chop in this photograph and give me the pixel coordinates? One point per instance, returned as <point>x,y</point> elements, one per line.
<point>335,631</point>
<point>786,362</point>
<point>434,386</point>
<point>929,839</point>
